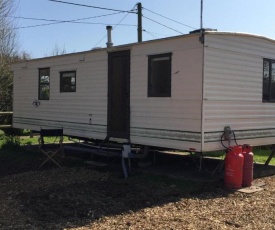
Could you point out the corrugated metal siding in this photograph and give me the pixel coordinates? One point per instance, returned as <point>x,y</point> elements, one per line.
<point>233,89</point>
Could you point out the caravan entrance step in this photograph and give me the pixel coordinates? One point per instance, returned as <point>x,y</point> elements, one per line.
<point>96,164</point>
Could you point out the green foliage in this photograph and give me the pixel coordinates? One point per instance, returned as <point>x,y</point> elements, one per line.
<point>9,138</point>
<point>10,142</point>
<point>261,154</point>
<point>8,54</point>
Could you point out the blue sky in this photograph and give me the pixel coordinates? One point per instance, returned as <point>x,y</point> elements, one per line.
<point>249,16</point>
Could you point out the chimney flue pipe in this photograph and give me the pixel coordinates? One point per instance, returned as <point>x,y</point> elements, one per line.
<point>109,34</point>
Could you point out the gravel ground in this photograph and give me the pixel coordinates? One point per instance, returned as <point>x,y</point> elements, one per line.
<point>80,198</point>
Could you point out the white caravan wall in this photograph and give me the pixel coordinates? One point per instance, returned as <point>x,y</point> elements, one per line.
<point>174,121</point>
<point>233,89</point>
<point>69,110</point>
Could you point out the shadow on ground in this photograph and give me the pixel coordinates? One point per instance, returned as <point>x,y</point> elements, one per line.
<point>170,179</point>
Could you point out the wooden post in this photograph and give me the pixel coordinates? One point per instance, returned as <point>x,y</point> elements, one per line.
<point>139,13</point>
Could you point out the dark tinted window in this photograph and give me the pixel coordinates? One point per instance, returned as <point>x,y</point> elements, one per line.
<point>159,75</point>
<point>268,80</point>
<point>44,84</point>
<point>68,81</point>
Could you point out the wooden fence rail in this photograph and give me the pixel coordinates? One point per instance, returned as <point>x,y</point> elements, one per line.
<point>6,113</point>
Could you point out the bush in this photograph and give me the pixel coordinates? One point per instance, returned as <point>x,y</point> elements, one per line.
<point>11,142</point>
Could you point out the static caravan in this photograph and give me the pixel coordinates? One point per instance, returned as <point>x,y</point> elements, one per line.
<point>178,92</point>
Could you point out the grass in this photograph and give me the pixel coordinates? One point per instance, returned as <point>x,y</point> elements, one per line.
<point>11,147</point>
<point>26,140</point>
<point>261,154</point>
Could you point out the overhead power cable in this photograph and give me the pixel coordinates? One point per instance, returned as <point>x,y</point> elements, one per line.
<point>54,21</point>
<point>116,25</point>
<point>162,24</point>
<point>156,35</point>
<point>45,24</point>
<point>169,19</point>
<point>149,33</point>
<point>96,7</point>
<point>78,19</point>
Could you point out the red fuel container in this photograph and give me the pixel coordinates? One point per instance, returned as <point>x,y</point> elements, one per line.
<point>234,161</point>
<point>248,166</point>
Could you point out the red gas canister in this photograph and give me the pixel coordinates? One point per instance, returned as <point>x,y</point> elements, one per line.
<point>247,166</point>
<point>234,168</point>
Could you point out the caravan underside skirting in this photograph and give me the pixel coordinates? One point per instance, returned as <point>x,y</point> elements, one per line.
<point>175,139</point>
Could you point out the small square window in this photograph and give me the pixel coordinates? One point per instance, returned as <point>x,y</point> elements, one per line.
<point>44,84</point>
<point>159,75</point>
<point>68,81</point>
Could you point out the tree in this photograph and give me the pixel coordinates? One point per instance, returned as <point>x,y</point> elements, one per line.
<point>8,50</point>
<point>8,54</point>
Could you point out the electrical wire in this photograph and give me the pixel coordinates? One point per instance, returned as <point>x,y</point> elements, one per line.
<point>114,27</point>
<point>222,140</point>
<point>149,33</point>
<point>158,33</point>
<point>45,24</point>
<point>79,19</point>
<point>53,21</point>
<point>96,7</point>
<point>119,23</point>
<point>169,18</point>
<point>235,140</point>
<point>162,24</point>
<point>99,41</point>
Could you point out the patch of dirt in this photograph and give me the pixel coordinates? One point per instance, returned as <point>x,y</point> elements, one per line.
<point>80,198</point>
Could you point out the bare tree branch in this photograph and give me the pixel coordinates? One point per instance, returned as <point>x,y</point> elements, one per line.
<point>58,50</point>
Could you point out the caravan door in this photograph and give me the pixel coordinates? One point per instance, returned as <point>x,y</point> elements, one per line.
<point>119,94</point>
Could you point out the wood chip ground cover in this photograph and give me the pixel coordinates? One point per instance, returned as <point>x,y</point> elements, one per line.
<point>80,198</point>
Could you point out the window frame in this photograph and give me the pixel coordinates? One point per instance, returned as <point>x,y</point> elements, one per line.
<point>40,83</point>
<point>61,83</point>
<point>269,99</point>
<point>149,88</point>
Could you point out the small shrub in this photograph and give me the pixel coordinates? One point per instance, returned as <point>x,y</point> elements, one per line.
<point>11,142</point>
